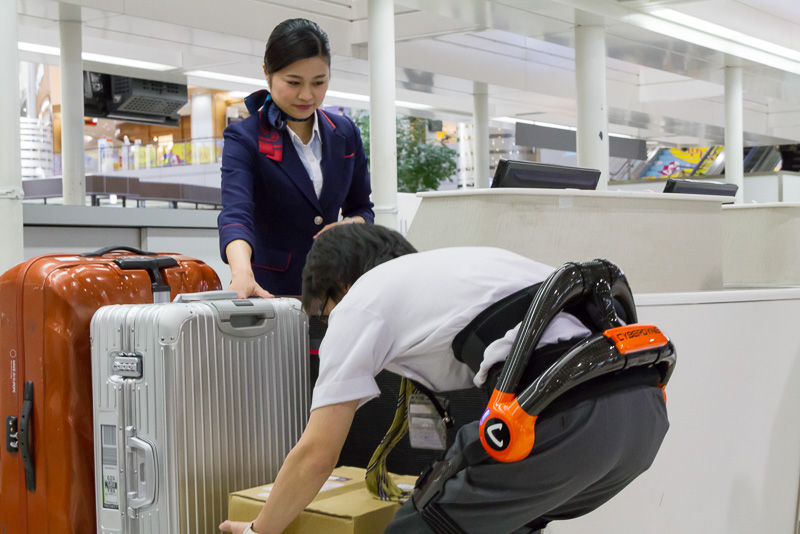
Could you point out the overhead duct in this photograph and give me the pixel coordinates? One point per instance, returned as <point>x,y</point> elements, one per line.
<point>133,99</point>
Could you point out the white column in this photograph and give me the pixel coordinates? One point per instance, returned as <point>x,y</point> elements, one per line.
<point>382,114</point>
<point>480,117</point>
<point>11,251</point>
<point>463,156</point>
<point>72,152</point>
<point>590,77</point>
<point>734,129</point>
<point>202,126</point>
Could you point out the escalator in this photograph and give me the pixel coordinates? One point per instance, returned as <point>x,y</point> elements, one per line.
<point>761,159</point>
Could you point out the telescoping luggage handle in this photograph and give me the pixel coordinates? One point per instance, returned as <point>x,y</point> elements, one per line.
<point>153,266</point>
<point>507,426</point>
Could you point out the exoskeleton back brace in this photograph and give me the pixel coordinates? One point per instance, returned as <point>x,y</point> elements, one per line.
<point>596,292</point>
<point>588,290</point>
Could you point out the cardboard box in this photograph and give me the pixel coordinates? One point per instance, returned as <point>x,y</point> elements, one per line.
<point>343,505</point>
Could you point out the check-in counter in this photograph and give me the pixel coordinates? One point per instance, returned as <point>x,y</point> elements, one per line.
<point>761,245</point>
<point>664,243</point>
<point>777,186</point>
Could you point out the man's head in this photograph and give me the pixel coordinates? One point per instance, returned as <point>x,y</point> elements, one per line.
<point>342,254</point>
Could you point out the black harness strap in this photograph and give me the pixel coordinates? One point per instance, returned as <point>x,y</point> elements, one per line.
<point>443,408</point>
<point>492,324</point>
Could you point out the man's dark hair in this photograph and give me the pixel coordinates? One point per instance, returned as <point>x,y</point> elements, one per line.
<point>293,40</point>
<point>342,254</point>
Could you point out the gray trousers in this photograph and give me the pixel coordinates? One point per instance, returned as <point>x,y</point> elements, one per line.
<point>581,458</point>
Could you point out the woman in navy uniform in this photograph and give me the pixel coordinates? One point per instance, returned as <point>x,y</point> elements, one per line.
<point>289,168</point>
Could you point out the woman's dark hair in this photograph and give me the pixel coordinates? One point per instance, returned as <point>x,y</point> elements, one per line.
<point>293,40</point>
<point>342,254</point>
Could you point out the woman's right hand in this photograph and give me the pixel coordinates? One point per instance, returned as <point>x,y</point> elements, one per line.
<point>246,286</point>
<point>243,281</point>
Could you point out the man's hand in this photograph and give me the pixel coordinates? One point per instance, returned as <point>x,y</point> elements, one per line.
<point>237,527</point>
<point>306,468</point>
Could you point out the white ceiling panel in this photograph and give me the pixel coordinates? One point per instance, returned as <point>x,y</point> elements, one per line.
<point>773,20</point>
<point>659,86</point>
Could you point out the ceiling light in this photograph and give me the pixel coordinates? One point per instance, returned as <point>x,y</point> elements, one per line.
<point>227,77</point>
<point>348,96</point>
<point>411,105</point>
<point>693,30</point>
<point>727,33</point>
<point>39,49</point>
<point>125,62</point>
<point>365,98</point>
<point>98,58</point>
<point>556,126</point>
<point>698,24</point>
<point>512,120</point>
<point>772,48</point>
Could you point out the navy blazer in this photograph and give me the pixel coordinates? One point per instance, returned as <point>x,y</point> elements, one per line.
<point>268,199</point>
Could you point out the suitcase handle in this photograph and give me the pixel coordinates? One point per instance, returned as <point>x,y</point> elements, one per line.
<point>161,289</point>
<point>205,295</point>
<point>105,250</point>
<point>145,493</point>
<point>26,437</point>
<point>245,317</point>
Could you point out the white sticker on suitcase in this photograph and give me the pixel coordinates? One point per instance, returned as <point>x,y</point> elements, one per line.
<point>108,438</point>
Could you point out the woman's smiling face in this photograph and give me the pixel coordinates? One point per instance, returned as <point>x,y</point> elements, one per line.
<point>300,88</point>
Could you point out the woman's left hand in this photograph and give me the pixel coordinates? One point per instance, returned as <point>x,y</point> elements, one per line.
<point>349,220</point>
<point>237,527</point>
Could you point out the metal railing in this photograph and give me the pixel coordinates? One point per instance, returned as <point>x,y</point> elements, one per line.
<point>130,157</point>
<point>127,190</point>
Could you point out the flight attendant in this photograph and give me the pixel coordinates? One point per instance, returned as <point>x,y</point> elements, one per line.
<point>289,169</point>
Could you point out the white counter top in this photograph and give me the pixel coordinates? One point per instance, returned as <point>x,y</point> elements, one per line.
<point>523,192</point>
<point>718,297</point>
<point>663,243</point>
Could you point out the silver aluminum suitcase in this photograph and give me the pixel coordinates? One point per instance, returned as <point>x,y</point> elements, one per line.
<point>192,400</point>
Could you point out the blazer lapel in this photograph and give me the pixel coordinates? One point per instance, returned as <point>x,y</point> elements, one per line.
<point>333,148</point>
<point>296,171</point>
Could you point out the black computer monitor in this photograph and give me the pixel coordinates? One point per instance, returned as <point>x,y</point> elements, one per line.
<point>701,187</point>
<point>511,173</point>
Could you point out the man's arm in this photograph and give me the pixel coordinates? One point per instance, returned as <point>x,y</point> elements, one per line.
<point>305,470</point>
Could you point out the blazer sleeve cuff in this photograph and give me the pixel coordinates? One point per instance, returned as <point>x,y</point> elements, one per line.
<point>367,214</point>
<point>232,232</point>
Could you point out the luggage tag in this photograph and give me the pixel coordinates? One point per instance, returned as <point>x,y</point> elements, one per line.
<point>427,422</point>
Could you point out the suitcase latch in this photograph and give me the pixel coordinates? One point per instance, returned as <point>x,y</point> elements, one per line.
<point>12,437</point>
<point>127,365</point>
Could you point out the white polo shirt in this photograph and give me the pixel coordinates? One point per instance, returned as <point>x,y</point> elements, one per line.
<point>310,154</point>
<point>403,315</point>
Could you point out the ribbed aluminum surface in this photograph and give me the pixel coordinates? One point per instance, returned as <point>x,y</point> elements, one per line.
<point>223,411</point>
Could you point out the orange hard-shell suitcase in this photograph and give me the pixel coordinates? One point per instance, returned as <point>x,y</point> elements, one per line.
<point>46,305</point>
